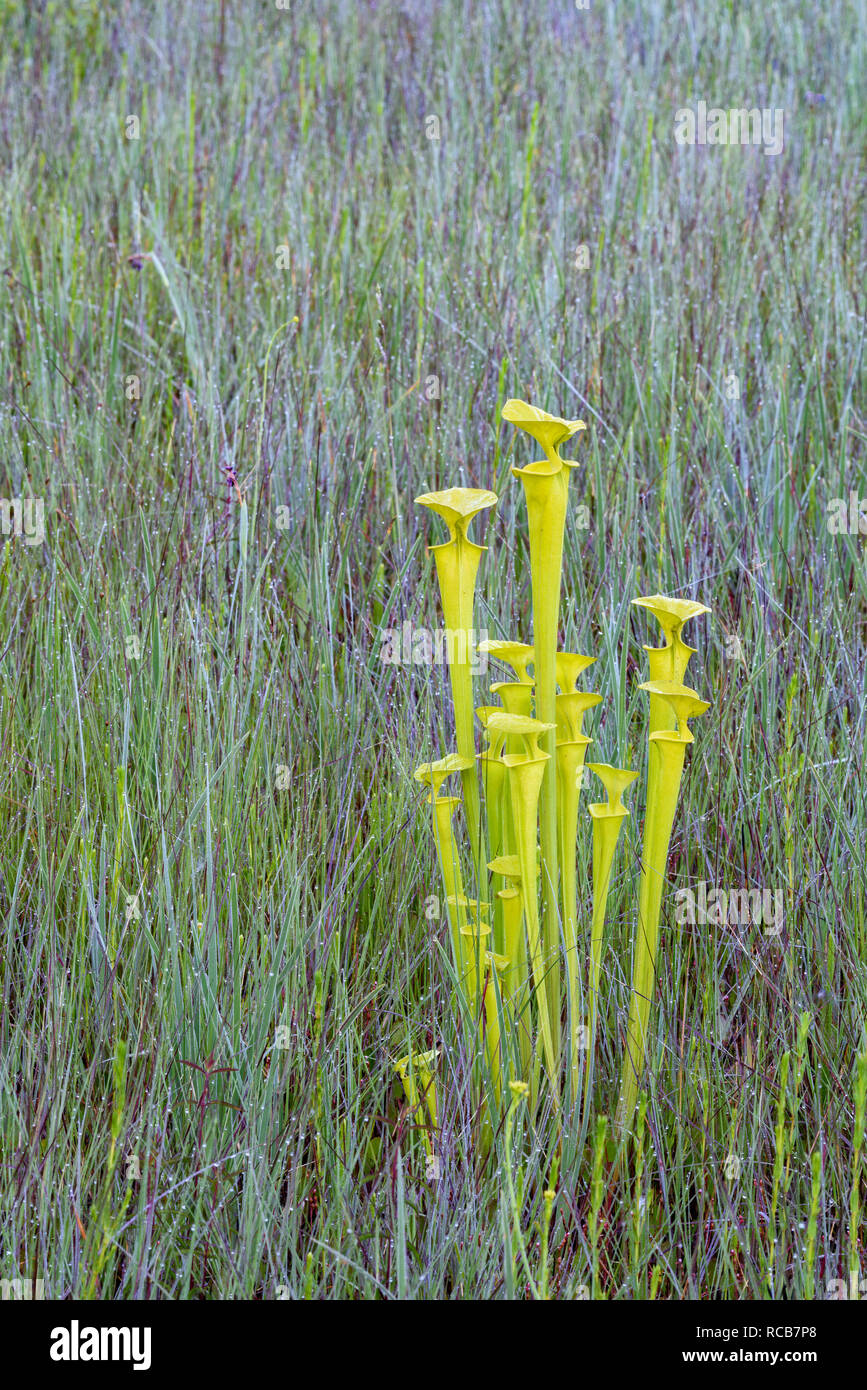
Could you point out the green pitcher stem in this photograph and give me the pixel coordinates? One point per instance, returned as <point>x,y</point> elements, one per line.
<point>494,777</point>
<point>474,939</point>
<point>495,1000</point>
<point>666,752</point>
<point>450,866</point>
<point>416,1072</point>
<point>546,494</point>
<point>607,825</point>
<point>457,563</point>
<point>525,779</point>
<point>514,977</point>
<point>570,760</point>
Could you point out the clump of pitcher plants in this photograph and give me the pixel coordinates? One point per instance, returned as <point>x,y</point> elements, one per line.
<point>527,962</point>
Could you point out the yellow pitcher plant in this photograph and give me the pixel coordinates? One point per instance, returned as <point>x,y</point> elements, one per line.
<point>514,978</point>
<point>457,562</point>
<point>525,773</point>
<point>493,779</point>
<point>443,808</point>
<point>546,486</point>
<point>668,663</point>
<point>416,1072</point>
<point>608,817</point>
<point>666,753</point>
<point>529,912</point>
<point>572,743</point>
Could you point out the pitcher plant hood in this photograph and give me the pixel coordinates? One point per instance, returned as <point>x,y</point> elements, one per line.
<point>434,774</point>
<point>518,655</point>
<point>669,662</point>
<point>570,709</point>
<point>568,667</point>
<point>517,696</point>
<point>457,506</point>
<point>530,730</point>
<point>671,613</point>
<point>549,431</point>
<point>683,700</point>
<point>615,780</point>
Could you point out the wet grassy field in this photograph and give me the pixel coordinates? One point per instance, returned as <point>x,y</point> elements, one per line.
<point>315,251</point>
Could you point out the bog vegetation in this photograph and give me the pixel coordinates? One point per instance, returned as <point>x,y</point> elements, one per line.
<point>269,276</point>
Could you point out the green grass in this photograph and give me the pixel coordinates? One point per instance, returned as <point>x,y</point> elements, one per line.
<point>167,905</point>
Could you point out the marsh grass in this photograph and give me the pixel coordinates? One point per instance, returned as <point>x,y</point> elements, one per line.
<point>167,907</point>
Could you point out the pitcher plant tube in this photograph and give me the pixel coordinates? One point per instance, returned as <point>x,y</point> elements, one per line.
<point>416,1072</point>
<point>571,705</point>
<point>457,563</point>
<point>546,486</point>
<point>443,808</point>
<point>524,775</point>
<point>666,753</point>
<point>608,817</point>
